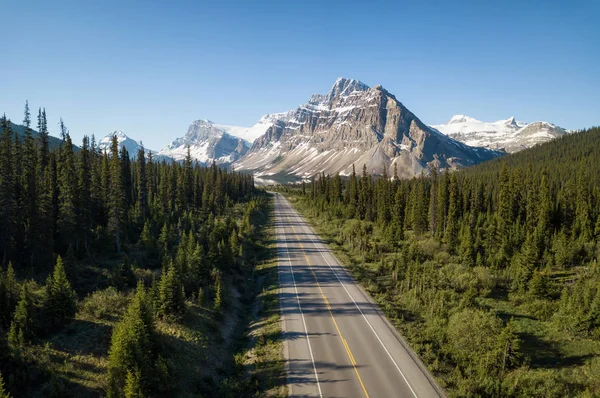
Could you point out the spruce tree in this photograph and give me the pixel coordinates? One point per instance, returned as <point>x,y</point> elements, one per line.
<point>132,346</point>
<point>60,299</point>
<point>171,294</point>
<point>21,328</point>
<point>30,182</point>
<point>67,191</point>
<point>3,392</point>
<point>116,195</point>
<point>8,202</point>
<point>218,301</point>
<point>452,224</point>
<point>133,384</point>
<point>142,184</point>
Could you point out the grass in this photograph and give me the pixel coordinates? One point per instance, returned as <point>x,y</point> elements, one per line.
<point>264,358</point>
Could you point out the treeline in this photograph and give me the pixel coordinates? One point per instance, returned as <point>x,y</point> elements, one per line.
<point>527,225</point>
<point>60,209</point>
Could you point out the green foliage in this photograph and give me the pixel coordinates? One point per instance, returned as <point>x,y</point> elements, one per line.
<point>133,384</point>
<point>218,300</point>
<point>9,294</point>
<point>171,296</point>
<point>439,252</point>
<point>21,328</point>
<point>132,349</point>
<point>479,343</point>
<point>60,302</point>
<point>103,304</point>
<point>3,392</point>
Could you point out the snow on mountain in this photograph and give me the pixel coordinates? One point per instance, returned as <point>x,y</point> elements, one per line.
<point>246,133</point>
<point>510,134</point>
<point>356,125</point>
<point>207,142</point>
<point>130,144</point>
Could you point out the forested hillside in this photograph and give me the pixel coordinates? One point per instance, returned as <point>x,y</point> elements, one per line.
<point>125,278</point>
<point>491,273</point>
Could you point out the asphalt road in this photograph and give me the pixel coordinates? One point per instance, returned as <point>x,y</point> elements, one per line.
<point>337,343</point>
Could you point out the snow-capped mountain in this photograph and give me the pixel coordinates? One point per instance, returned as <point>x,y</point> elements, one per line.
<point>130,144</point>
<point>353,125</point>
<point>207,142</point>
<point>509,134</point>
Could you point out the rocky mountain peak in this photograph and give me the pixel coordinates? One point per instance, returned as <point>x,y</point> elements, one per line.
<point>511,122</point>
<point>343,86</point>
<point>207,142</point>
<point>354,124</point>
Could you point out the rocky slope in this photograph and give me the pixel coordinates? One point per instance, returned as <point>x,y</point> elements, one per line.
<point>509,135</point>
<point>207,143</point>
<point>130,144</point>
<point>354,125</point>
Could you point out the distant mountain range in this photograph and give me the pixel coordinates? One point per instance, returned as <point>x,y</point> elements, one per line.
<point>509,135</point>
<point>353,124</point>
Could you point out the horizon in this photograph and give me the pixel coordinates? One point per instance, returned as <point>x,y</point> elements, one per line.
<point>104,70</point>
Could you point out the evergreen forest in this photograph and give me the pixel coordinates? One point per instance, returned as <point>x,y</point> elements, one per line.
<point>124,277</point>
<point>491,273</point>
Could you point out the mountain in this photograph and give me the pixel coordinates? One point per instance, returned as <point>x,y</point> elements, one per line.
<point>130,144</point>
<point>509,134</point>
<point>53,142</point>
<point>208,142</point>
<point>353,124</point>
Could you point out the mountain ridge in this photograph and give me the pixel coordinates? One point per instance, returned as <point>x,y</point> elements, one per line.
<point>509,134</point>
<point>207,143</point>
<point>354,124</point>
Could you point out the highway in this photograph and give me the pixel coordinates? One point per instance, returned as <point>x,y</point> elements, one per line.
<point>336,341</point>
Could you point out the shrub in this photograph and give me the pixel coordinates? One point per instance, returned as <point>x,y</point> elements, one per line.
<point>104,304</point>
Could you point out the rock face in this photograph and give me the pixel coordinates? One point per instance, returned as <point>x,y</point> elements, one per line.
<point>509,135</point>
<point>207,143</point>
<point>354,125</point>
<point>130,144</point>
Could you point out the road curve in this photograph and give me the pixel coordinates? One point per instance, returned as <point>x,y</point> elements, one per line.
<point>337,343</point>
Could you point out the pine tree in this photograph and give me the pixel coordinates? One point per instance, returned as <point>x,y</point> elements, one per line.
<point>171,294</point>
<point>21,328</point>
<point>132,346</point>
<point>9,294</point>
<point>126,177</point>
<point>142,184</point>
<point>218,301</point>
<point>433,206</point>
<point>44,145</point>
<point>67,194</point>
<point>452,224</point>
<point>539,285</point>
<point>442,203</point>
<point>582,227</point>
<point>60,299</point>
<point>30,182</point>
<point>8,202</point>
<point>116,195</point>
<point>3,392</point>
<point>133,384</point>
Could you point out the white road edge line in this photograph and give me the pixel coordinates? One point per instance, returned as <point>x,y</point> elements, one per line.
<point>302,315</point>
<point>357,306</point>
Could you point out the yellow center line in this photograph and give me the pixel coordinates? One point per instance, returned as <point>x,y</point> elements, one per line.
<point>344,342</point>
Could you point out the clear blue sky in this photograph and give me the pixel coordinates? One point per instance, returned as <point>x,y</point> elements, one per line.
<point>151,67</point>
